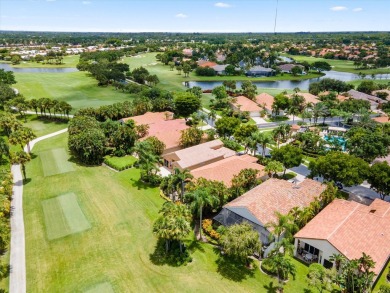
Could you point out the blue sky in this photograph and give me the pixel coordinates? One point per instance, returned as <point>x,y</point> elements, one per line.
<point>194,15</point>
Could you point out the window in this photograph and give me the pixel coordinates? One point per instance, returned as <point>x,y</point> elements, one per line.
<point>328,264</point>
<point>311,249</point>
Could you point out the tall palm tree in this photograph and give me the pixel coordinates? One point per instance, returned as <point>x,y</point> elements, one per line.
<point>180,177</point>
<point>198,200</point>
<point>173,224</point>
<point>263,139</point>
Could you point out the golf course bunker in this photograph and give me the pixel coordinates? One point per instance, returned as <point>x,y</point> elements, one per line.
<point>63,216</point>
<point>55,161</point>
<point>101,288</point>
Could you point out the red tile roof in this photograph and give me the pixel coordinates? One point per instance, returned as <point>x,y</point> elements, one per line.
<point>225,169</point>
<point>206,64</point>
<point>266,99</point>
<point>353,228</point>
<point>168,131</point>
<point>276,195</point>
<point>246,104</point>
<point>309,98</point>
<point>382,119</point>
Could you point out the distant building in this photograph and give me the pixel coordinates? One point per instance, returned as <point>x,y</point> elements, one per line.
<point>286,68</point>
<point>260,71</point>
<point>373,100</point>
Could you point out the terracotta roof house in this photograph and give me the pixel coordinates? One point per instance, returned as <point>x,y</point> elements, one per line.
<point>381,119</point>
<point>267,100</point>
<point>163,126</point>
<point>362,96</point>
<point>258,205</point>
<point>309,98</point>
<point>286,68</point>
<point>348,228</point>
<point>220,69</point>
<point>187,52</point>
<point>197,156</point>
<point>244,104</point>
<point>224,170</point>
<point>260,71</point>
<point>203,63</point>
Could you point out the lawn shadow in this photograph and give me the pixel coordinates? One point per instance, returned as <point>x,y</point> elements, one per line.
<point>171,258</point>
<point>195,245</point>
<point>271,288</point>
<point>139,184</point>
<point>26,181</point>
<point>233,270</point>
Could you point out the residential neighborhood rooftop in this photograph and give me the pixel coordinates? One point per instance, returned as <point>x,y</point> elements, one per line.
<point>276,195</point>
<point>199,155</point>
<point>265,99</point>
<point>245,104</point>
<point>225,169</point>
<point>353,228</point>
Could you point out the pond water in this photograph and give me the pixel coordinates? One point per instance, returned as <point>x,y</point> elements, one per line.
<point>286,84</point>
<point>8,67</point>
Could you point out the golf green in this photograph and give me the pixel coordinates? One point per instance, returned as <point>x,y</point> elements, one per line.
<point>63,216</point>
<point>55,162</point>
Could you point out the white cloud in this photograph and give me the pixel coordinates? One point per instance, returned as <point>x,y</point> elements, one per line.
<point>358,9</point>
<point>222,5</point>
<point>86,2</point>
<point>181,15</point>
<point>338,8</point>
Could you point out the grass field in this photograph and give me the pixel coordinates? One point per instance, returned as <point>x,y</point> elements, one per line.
<point>42,126</point>
<point>55,161</point>
<point>68,61</point>
<point>117,252</point>
<point>63,216</point>
<point>76,88</point>
<point>339,65</point>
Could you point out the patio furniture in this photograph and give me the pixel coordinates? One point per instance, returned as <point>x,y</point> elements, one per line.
<point>308,257</point>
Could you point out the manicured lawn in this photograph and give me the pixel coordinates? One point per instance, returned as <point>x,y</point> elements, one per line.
<point>43,126</point>
<point>356,82</point>
<point>339,65</point>
<point>117,252</point>
<point>76,88</point>
<point>68,61</point>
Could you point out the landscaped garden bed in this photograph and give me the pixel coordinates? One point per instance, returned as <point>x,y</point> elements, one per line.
<point>120,163</point>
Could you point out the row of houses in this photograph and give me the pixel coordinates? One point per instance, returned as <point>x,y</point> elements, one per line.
<point>343,227</point>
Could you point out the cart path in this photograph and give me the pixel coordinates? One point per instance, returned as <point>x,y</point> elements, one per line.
<point>17,278</point>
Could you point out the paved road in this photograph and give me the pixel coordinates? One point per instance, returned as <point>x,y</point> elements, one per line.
<point>17,280</point>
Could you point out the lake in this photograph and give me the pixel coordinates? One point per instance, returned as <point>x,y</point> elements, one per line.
<point>8,67</point>
<point>286,84</point>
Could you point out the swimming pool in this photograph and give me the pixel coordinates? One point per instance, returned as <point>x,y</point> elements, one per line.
<point>336,141</point>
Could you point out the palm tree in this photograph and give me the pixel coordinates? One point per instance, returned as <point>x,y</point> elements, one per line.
<point>4,148</point>
<point>337,259</point>
<point>282,265</point>
<point>263,139</point>
<point>284,224</point>
<point>180,177</point>
<point>22,136</point>
<point>173,224</point>
<point>21,158</point>
<point>34,104</point>
<point>198,200</point>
